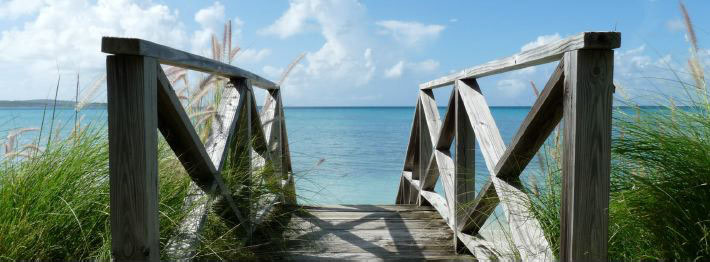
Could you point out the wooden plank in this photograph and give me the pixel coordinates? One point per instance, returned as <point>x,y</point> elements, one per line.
<point>414,214</point>
<point>543,117</point>
<point>439,203</point>
<point>587,154</point>
<point>223,132</point>
<point>414,182</point>
<point>178,131</point>
<point>369,208</point>
<point>133,157</point>
<point>402,192</point>
<point>245,163</point>
<point>535,56</point>
<point>184,244</point>
<point>482,249</point>
<point>411,157</point>
<point>411,190</point>
<point>409,193</point>
<point>170,56</point>
<point>464,174</point>
<point>266,204</point>
<point>290,187</point>
<point>306,224</point>
<point>391,257</point>
<point>428,124</point>
<point>346,243</point>
<point>271,125</point>
<point>225,122</point>
<point>526,232</point>
<point>369,232</point>
<point>430,115</point>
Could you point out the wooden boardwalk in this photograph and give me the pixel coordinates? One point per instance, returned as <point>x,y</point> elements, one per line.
<point>425,222</point>
<point>370,232</point>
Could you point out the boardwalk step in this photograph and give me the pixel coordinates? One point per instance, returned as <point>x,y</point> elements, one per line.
<point>369,232</point>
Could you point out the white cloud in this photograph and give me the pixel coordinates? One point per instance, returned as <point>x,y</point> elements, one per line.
<point>211,16</point>
<point>67,34</point>
<point>632,61</point>
<point>293,20</point>
<point>410,33</point>
<point>344,60</point>
<point>252,55</point>
<point>398,69</point>
<point>541,40</point>
<point>14,8</point>
<point>212,20</point>
<point>395,71</point>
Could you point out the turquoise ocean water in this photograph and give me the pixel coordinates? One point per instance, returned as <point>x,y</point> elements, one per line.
<point>339,154</point>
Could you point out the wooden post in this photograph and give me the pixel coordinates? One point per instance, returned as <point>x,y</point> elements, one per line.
<point>587,155</point>
<point>133,165</point>
<point>464,175</point>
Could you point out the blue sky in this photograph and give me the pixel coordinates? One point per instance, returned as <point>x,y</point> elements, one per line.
<point>357,53</point>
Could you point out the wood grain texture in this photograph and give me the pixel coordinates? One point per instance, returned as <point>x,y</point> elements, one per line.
<point>290,187</point>
<point>133,163</point>
<point>535,56</point>
<point>543,117</point>
<point>482,249</point>
<point>411,189</point>
<point>367,232</point>
<point>587,154</point>
<point>184,244</point>
<point>170,56</point>
<point>428,134</point>
<point>271,125</point>
<point>525,230</point>
<point>223,132</point>
<point>411,161</point>
<point>412,157</point>
<point>439,203</point>
<point>464,175</point>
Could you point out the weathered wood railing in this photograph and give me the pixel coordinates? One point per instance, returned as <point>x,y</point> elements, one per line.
<point>141,100</point>
<point>579,92</point>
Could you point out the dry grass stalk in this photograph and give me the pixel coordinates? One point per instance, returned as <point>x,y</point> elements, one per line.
<point>90,92</point>
<point>11,141</point>
<point>534,88</point>
<point>696,68</point>
<point>290,67</point>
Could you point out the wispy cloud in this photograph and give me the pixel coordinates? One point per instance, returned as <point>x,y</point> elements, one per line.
<point>410,33</point>
<point>398,69</point>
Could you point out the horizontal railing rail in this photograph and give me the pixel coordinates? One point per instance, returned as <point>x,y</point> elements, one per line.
<point>579,92</point>
<point>140,100</point>
<point>170,56</point>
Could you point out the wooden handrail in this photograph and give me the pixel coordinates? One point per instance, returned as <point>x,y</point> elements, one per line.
<point>539,55</point>
<point>141,100</point>
<point>170,56</point>
<point>579,91</point>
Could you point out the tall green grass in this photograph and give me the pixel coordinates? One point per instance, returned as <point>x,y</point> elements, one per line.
<point>55,204</point>
<point>54,200</point>
<point>660,180</point>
